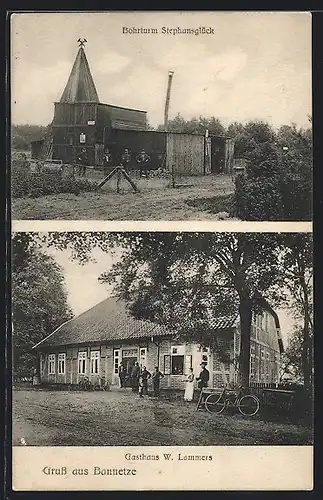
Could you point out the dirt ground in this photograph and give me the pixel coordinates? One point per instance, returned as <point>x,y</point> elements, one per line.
<point>156,200</point>
<point>121,418</point>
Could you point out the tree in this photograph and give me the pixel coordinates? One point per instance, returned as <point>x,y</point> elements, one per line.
<point>184,279</point>
<point>22,135</point>
<point>249,136</point>
<point>39,299</point>
<point>297,262</point>
<point>195,125</point>
<point>291,364</point>
<point>278,180</point>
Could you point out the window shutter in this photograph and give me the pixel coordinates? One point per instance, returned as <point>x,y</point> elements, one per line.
<point>188,364</point>
<point>167,364</point>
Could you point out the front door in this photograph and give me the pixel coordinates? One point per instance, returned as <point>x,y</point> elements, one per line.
<point>217,156</point>
<point>128,363</point>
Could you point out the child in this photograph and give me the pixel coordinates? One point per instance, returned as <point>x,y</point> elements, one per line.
<point>141,386</point>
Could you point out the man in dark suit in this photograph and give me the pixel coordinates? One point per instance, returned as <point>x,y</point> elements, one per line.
<point>143,160</point>
<point>156,376</point>
<point>125,158</point>
<point>203,378</point>
<point>145,375</point>
<point>82,160</point>
<point>107,161</point>
<point>135,372</point>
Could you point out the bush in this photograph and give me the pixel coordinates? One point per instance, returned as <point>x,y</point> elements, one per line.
<point>258,198</point>
<point>296,192</point>
<point>280,197</point>
<point>25,183</point>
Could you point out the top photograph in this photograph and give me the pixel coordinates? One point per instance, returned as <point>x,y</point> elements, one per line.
<point>161,116</point>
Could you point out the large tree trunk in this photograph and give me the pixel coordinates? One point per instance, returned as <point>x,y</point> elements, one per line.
<point>245,312</point>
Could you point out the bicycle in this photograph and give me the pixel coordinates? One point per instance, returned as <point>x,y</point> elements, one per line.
<point>247,404</point>
<point>85,384</point>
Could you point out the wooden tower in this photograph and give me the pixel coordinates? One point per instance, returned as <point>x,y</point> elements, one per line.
<point>81,121</point>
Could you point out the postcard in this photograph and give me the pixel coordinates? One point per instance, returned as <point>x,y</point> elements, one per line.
<point>161,251</point>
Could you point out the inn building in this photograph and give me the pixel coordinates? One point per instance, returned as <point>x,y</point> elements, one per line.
<point>97,341</point>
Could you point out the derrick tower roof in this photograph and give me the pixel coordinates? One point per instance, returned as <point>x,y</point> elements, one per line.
<point>80,86</point>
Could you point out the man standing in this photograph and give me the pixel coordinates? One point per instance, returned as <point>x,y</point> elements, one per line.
<point>156,376</point>
<point>145,376</point>
<point>203,377</point>
<point>82,160</point>
<point>143,159</point>
<point>122,375</point>
<point>107,161</point>
<point>135,372</point>
<point>125,158</point>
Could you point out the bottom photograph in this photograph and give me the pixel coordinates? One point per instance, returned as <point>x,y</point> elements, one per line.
<point>162,339</point>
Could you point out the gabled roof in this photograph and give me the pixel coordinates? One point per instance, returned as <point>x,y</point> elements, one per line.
<point>110,321</point>
<point>80,86</point>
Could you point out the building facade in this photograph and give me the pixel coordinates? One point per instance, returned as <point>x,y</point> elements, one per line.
<point>95,343</point>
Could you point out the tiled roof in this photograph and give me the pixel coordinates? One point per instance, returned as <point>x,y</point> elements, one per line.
<point>80,86</point>
<point>110,320</point>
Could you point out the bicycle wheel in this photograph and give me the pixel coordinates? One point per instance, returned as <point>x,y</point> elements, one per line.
<point>248,405</point>
<point>215,403</point>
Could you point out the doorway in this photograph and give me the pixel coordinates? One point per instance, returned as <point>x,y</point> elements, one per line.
<point>128,363</point>
<point>217,155</point>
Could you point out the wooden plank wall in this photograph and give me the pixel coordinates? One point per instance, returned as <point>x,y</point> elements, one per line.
<point>185,152</point>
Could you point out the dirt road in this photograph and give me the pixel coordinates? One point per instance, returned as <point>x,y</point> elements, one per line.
<point>191,200</point>
<point>120,418</point>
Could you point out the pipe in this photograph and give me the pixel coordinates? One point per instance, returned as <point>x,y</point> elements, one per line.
<point>170,78</point>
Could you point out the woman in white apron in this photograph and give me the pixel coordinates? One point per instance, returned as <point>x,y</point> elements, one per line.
<point>189,388</point>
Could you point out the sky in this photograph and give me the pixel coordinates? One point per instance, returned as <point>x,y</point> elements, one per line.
<point>84,290</point>
<point>255,65</point>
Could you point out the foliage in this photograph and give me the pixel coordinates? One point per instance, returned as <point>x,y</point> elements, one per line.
<point>291,360</point>
<point>39,299</point>
<point>250,135</point>
<point>256,199</point>
<point>195,125</point>
<point>22,135</point>
<point>297,262</point>
<point>186,280</point>
<point>278,180</point>
<point>26,183</point>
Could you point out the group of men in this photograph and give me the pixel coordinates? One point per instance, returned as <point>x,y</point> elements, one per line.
<point>142,160</point>
<point>140,376</point>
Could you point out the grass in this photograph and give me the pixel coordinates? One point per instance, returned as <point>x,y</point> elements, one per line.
<point>120,418</point>
<point>194,198</point>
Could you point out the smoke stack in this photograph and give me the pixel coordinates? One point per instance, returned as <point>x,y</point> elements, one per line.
<point>170,77</point>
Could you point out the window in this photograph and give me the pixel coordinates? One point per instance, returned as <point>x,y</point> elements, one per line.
<point>61,363</point>
<point>177,365</point>
<point>95,360</point>
<point>262,354</point>
<point>42,364</point>
<point>266,320</point>
<point>82,363</point>
<point>252,361</point>
<point>51,364</point>
<point>116,358</point>
<point>177,360</point>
